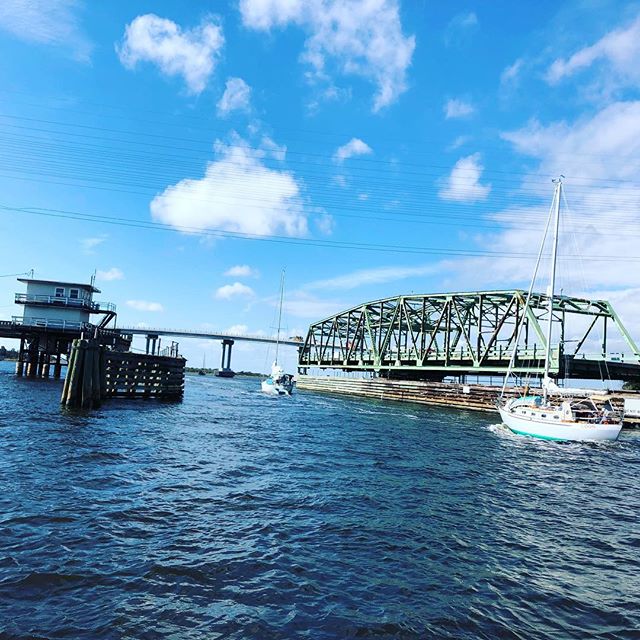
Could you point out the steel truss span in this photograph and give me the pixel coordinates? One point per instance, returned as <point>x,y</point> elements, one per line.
<point>430,336</point>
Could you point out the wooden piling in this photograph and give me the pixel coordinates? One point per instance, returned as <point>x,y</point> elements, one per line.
<point>57,367</point>
<point>82,385</point>
<point>20,364</point>
<point>94,374</point>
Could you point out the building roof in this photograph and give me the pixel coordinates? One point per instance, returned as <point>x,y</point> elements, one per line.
<point>61,283</point>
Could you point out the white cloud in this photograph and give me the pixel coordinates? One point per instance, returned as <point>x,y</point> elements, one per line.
<point>89,244</point>
<point>619,49</point>
<point>340,180</point>
<point>112,274</point>
<point>599,147</point>
<point>324,222</point>
<point>236,97</point>
<point>238,193</point>
<point>459,28</point>
<point>458,142</point>
<point>361,38</point>
<point>511,73</point>
<point>276,151</point>
<point>304,305</point>
<point>376,275</point>
<point>235,290</point>
<point>144,305</point>
<point>463,184</point>
<point>241,271</point>
<point>600,155</point>
<point>355,147</point>
<point>190,53</point>
<point>457,109</point>
<point>237,330</point>
<point>49,22</point>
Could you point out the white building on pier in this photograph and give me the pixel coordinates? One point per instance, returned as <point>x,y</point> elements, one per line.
<point>61,305</point>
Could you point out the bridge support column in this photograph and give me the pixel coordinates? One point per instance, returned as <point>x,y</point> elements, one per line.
<point>152,344</point>
<point>225,363</point>
<point>229,345</point>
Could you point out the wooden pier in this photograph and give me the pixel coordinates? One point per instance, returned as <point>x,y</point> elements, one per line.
<point>96,374</point>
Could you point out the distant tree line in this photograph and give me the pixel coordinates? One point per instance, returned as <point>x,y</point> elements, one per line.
<point>8,354</point>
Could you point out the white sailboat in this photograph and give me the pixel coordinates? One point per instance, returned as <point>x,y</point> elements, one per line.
<point>571,417</point>
<point>278,383</point>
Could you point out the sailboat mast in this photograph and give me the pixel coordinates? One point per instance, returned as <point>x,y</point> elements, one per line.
<point>280,313</point>
<point>554,260</point>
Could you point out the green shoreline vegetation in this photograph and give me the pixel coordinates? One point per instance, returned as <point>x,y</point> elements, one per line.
<point>212,372</point>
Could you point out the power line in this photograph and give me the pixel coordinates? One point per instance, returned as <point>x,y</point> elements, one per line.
<point>222,233</point>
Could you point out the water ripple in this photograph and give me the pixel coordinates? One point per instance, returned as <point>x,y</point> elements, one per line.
<point>235,516</point>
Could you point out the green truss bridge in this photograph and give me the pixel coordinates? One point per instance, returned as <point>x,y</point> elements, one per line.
<point>428,337</point>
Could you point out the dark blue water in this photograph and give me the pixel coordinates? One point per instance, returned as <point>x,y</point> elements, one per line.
<point>234,515</point>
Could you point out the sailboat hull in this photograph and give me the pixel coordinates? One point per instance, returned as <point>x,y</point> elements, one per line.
<point>272,388</point>
<point>559,430</point>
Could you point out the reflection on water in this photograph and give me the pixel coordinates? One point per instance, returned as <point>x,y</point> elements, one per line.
<point>236,515</point>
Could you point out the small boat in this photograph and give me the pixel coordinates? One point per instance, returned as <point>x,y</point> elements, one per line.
<point>278,383</point>
<point>203,371</point>
<point>570,417</point>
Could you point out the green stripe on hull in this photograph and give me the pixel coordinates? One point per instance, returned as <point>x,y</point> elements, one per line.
<point>535,435</point>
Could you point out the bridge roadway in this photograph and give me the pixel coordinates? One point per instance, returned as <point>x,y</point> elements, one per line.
<point>180,333</point>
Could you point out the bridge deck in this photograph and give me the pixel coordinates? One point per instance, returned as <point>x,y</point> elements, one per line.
<point>184,333</point>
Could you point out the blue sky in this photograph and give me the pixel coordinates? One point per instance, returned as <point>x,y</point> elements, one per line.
<point>189,152</point>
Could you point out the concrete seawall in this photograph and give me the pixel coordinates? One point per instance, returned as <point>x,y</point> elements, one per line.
<point>445,394</point>
<point>467,396</point>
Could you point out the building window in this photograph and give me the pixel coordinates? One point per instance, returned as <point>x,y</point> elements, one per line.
<point>59,292</point>
<point>74,293</point>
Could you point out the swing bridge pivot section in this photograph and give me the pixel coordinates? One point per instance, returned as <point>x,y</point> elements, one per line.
<point>429,337</point>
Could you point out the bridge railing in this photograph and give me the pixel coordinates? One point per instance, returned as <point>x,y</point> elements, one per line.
<point>291,340</point>
<point>63,301</point>
<point>535,354</point>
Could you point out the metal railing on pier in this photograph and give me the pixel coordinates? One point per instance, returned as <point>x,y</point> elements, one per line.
<point>63,301</point>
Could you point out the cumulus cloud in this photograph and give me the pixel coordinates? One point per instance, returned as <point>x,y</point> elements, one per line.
<point>189,53</point>
<point>618,49</point>
<point>361,38</point>
<point>241,271</point>
<point>596,147</point>
<point>144,305</point>
<point>600,156</point>
<point>355,147</point>
<point>48,22</point>
<point>235,290</point>
<point>236,97</point>
<point>457,109</point>
<point>463,184</point>
<point>112,274</point>
<point>238,193</point>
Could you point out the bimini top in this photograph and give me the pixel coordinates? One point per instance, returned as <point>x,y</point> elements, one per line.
<point>61,283</point>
